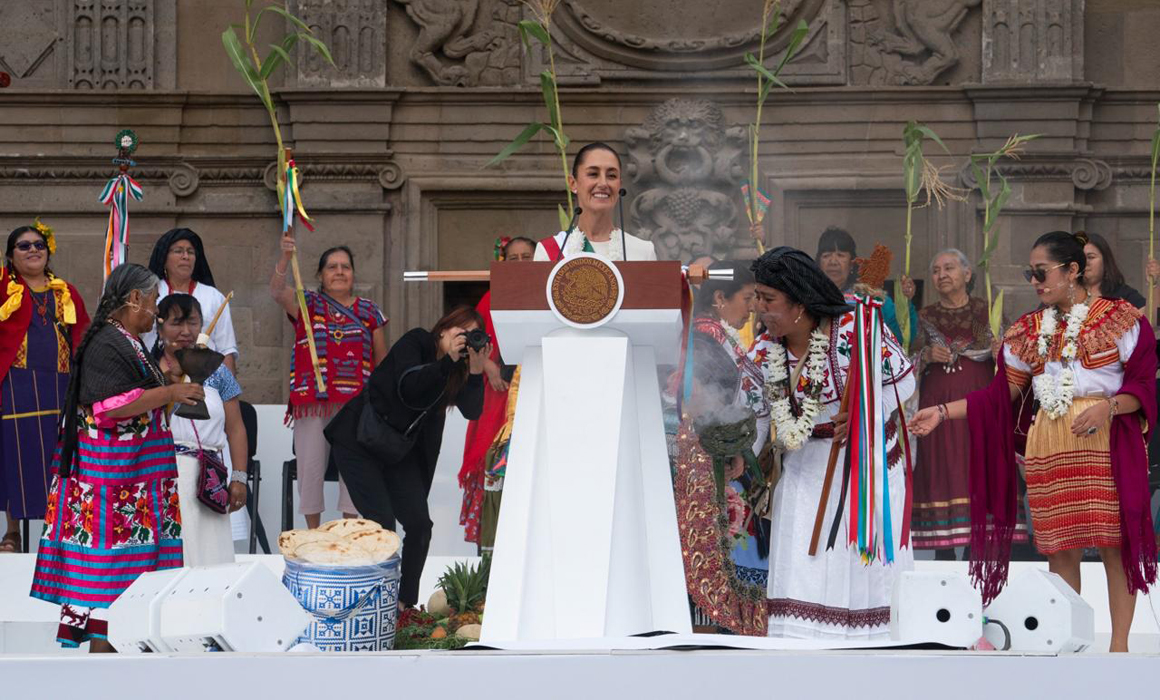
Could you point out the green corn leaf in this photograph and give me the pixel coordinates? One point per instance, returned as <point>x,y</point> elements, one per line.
<point>318,45</point>
<point>564,218</point>
<point>517,143</point>
<point>237,55</point>
<point>531,30</point>
<point>982,180</point>
<point>795,41</point>
<point>279,54</point>
<point>548,87</point>
<point>997,316</point>
<point>902,311</point>
<point>929,133</point>
<point>277,9</point>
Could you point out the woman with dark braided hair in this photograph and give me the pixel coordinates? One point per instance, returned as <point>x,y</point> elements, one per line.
<point>1089,363</point>
<point>805,357</point>
<point>42,318</point>
<point>113,510</point>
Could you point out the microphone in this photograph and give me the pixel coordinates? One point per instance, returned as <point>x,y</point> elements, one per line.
<point>620,204</point>
<point>571,225</point>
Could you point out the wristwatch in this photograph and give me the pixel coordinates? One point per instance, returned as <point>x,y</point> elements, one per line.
<point>238,477</point>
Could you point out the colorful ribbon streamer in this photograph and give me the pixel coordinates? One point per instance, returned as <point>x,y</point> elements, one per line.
<point>755,207</point>
<point>116,196</point>
<point>292,201</point>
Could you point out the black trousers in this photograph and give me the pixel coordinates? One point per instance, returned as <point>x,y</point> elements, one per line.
<point>385,493</point>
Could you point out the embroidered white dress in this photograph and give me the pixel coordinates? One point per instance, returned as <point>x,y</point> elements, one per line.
<point>207,537</point>
<point>635,249</point>
<point>832,595</point>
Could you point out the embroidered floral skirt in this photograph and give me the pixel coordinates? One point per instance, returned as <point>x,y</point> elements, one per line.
<point>832,595</point>
<point>1069,484</point>
<point>114,518</point>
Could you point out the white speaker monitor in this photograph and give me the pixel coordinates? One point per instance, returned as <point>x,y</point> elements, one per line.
<point>231,607</point>
<point>1041,613</point>
<point>134,617</point>
<point>930,607</point>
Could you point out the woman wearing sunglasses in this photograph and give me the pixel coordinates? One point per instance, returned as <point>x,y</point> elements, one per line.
<point>1089,363</point>
<point>42,319</point>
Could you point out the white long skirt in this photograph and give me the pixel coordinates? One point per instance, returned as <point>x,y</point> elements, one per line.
<point>206,538</point>
<point>832,595</point>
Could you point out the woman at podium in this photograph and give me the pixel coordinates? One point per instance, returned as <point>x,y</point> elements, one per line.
<point>805,357</point>
<point>595,181</point>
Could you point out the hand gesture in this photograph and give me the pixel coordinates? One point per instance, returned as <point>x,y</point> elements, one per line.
<point>841,427</point>
<point>925,421</point>
<point>452,342</point>
<point>188,394</point>
<point>907,287</point>
<point>237,495</point>
<point>735,469</point>
<point>939,354</point>
<point>1088,423</point>
<point>288,244</point>
<point>494,377</point>
<point>476,359</point>
<point>1153,271</point>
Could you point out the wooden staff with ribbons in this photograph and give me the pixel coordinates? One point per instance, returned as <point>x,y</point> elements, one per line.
<point>291,206</point>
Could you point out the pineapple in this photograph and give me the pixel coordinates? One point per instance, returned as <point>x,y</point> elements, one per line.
<point>466,589</point>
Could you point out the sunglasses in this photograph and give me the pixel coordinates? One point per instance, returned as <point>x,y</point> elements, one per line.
<point>1039,274</point>
<point>25,246</point>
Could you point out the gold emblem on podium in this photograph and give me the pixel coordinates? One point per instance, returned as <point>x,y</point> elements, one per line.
<point>585,290</point>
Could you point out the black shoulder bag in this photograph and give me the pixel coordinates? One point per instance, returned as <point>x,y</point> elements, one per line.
<point>384,440</point>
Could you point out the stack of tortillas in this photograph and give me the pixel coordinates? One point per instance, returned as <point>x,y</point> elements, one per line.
<point>346,542</point>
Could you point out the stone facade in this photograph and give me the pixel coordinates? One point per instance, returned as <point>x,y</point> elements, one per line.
<point>393,140</point>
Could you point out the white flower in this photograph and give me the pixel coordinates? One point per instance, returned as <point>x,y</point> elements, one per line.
<point>1055,397</point>
<point>575,244</point>
<point>793,432</point>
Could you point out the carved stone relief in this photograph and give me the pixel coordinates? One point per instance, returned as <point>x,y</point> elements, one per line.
<point>1030,41</point>
<point>906,42</point>
<point>31,51</point>
<point>685,166</point>
<point>356,33</point>
<point>468,43</point>
<point>120,44</point>
<point>596,40</point>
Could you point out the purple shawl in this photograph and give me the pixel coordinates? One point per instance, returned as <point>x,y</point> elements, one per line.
<point>994,482</point>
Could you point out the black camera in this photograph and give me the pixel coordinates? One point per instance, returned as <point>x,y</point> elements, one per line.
<point>477,339</point>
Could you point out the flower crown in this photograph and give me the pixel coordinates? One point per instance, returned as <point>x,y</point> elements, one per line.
<point>46,231</point>
<point>500,245</point>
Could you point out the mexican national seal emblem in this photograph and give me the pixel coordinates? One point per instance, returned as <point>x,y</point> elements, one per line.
<point>585,290</point>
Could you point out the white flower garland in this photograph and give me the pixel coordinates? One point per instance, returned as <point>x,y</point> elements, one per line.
<point>575,244</point>
<point>792,432</point>
<point>1055,396</point>
<point>734,336</point>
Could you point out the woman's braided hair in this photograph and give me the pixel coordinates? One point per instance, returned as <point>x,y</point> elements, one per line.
<point>123,280</point>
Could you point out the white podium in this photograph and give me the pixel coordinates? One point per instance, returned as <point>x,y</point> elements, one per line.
<point>587,543</point>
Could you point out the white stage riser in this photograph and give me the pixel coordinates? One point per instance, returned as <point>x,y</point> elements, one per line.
<point>580,676</point>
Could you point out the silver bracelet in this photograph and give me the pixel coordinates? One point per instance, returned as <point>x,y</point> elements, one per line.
<point>237,477</point>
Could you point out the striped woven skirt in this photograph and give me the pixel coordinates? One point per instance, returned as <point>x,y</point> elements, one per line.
<point>114,518</point>
<point>1069,484</point>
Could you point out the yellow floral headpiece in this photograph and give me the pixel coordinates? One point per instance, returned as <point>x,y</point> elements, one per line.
<point>46,231</point>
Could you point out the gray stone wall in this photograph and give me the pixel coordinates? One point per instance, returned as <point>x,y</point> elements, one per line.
<point>393,140</point>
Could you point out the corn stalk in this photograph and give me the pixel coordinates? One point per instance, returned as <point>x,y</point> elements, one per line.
<point>1152,211</point>
<point>983,168</point>
<point>766,80</point>
<point>918,174</point>
<point>256,71</point>
<point>540,29</point>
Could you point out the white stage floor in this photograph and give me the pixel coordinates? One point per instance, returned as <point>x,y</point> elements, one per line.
<point>636,675</point>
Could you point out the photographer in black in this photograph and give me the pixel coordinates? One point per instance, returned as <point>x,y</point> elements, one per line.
<point>385,442</point>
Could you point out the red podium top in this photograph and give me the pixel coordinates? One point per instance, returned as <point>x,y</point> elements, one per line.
<point>522,286</point>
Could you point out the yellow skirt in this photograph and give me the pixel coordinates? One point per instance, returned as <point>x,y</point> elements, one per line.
<point>1073,497</point>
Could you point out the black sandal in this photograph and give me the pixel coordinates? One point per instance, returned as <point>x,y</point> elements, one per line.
<point>10,544</point>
